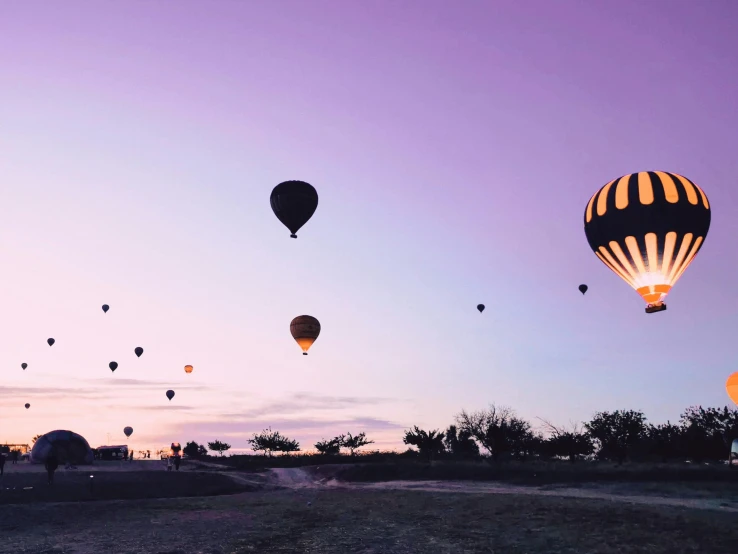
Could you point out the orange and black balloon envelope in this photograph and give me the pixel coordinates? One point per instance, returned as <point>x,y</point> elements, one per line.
<point>647,228</point>
<point>113,366</point>
<point>294,203</point>
<point>138,350</point>
<point>128,431</point>
<point>305,330</point>
<point>27,406</point>
<point>583,288</point>
<point>731,386</point>
<point>51,342</point>
<point>106,308</point>
<point>480,307</point>
<point>24,365</point>
<point>188,369</point>
<point>170,394</point>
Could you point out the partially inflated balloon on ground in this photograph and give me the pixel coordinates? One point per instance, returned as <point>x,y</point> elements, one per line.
<point>170,394</point>
<point>294,203</point>
<point>731,386</point>
<point>128,431</point>
<point>305,330</point>
<point>647,228</point>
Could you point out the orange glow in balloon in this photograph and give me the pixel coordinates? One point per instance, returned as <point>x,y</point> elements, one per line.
<point>732,387</point>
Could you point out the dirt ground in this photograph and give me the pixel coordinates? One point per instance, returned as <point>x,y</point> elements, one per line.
<point>308,510</point>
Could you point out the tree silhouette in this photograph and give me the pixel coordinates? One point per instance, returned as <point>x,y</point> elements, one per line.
<point>461,443</point>
<point>617,432</point>
<point>498,430</point>
<point>354,443</point>
<point>567,444</point>
<point>331,447</point>
<point>269,441</point>
<point>218,446</point>
<point>428,443</point>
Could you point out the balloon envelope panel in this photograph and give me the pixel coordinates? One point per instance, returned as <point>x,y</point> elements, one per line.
<point>69,447</point>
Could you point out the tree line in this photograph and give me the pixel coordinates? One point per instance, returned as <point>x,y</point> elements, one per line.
<point>700,435</point>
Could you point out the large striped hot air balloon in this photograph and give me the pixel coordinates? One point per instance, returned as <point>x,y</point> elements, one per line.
<point>647,227</point>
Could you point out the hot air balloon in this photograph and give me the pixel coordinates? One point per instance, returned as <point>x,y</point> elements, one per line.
<point>647,227</point>
<point>113,366</point>
<point>170,394</point>
<point>27,405</point>
<point>51,342</point>
<point>731,386</point>
<point>188,369</point>
<point>305,330</point>
<point>138,350</point>
<point>106,308</point>
<point>583,288</point>
<point>294,203</point>
<point>480,307</point>
<point>24,365</point>
<point>128,431</point>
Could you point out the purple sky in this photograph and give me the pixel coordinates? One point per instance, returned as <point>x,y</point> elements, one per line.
<point>454,147</point>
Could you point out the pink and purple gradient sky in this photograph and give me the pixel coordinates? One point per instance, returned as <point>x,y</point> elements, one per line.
<point>454,146</point>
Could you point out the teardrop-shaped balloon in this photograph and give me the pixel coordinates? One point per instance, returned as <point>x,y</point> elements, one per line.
<point>294,203</point>
<point>731,386</point>
<point>128,431</point>
<point>480,307</point>
<point>113,366</point>
<point>305,330</point>
<point>188,369</point>
<point>138,350</point>
<point>27,405</point>
<point>106,308</point>
<point>583,288</point>
<point>170,394</point>
<point>51,342</point>
<point>647,228</point>
<point>24,365</point>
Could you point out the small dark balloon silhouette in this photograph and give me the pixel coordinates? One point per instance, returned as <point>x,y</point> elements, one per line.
<point>294,203</point>
<point>480,307</point>
<point>51,342</point>
<point>27,405</point>
<point>106,308</point>
<point>139,351</point>
<point>24,365</point>
<point>170,394</point>
<point>583,288</point>
<point>113,366</point>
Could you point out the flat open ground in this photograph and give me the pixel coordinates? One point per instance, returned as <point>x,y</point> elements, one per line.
<point>269,512</point>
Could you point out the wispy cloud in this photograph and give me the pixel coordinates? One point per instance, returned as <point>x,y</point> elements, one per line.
<point>303,402</point>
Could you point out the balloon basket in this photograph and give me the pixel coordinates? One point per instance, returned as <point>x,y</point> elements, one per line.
<point>653,308</point>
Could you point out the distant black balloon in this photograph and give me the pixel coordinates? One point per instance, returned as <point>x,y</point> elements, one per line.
<point>139,351</point>
<point>170,394</point>
<point>113,366</point>
<point>294,203</point>
<point>27,405</point>
<point>51,342</point>
<point>583,288</point>
<point>106,308</point>
<point>24,365</point>
<point>480,307</point>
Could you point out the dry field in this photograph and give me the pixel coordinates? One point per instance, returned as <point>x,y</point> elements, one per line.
<point>269,512</point>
